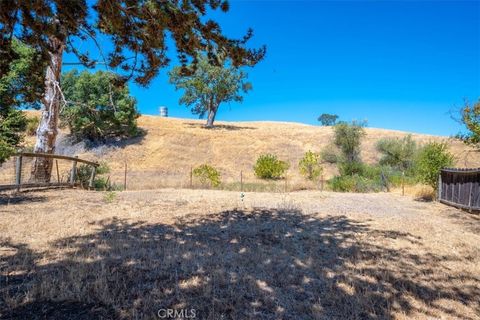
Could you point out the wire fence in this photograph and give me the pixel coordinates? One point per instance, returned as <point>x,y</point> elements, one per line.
<point>130,177</point>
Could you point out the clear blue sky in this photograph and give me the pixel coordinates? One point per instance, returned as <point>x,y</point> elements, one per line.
<point>400,65</point>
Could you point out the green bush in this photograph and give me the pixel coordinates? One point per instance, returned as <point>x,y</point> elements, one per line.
<point>100,182</point>
<point>12,126</point>
<point>351,168</point>
<point>208,175</point>
<point>348,138</point>
<point>269,167</point>
<point>431,158</point>
<point>397,153</point>
<point>355,183</point>
<point>310,166</point>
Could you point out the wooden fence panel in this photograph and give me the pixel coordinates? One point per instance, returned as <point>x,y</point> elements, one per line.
<point>460,188</point>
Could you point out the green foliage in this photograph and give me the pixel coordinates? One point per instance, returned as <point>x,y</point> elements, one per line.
<point>268,166</point>
<point>100,182</point>
<point>327,119</point>
<point>397,153</point>
<point>431,158</point>
<point>12,125</point>
<point>136,34</point>
<point>208,175</point>
<point>32,125</point>
<point>471,120</point>
<point>19,86</point>
<point>348,137</point>
<point>110,196</point>
<point>207,85</point>
<point>355,183</point>
<point>98,109</point>
<point>310,166</point>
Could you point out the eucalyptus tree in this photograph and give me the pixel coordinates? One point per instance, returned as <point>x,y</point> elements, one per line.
<point>130,35</point>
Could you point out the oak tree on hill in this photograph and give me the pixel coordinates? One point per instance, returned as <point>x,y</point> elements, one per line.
<point>327,119</point>
<point>136,32</point>
<point>209,85</point>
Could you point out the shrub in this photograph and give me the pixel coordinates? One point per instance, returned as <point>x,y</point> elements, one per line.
<point>32,125</point>
<point>397,153</point>
<point>12,127</point>
<point>348,137</point>
<point>431,158</point>
<point>355,183</point>
<point>269,167</point>
<point>84,172</point>
<point>329,155</point>
<point>350,168</point>
<point>207,175</point>
<point>309,165</point>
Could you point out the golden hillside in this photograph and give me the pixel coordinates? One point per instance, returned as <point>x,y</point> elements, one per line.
<point>170,147</point>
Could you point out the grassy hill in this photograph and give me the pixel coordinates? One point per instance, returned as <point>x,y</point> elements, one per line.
<point>164,155</point>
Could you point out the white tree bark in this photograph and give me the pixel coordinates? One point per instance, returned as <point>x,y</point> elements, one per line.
<point>48,127</point>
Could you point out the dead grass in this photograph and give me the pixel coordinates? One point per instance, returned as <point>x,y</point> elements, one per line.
<point>170,147</point>
<point>303,255</point>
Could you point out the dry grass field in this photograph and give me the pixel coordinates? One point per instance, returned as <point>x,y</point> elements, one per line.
<point>169,148</point>
<point>305,255</point>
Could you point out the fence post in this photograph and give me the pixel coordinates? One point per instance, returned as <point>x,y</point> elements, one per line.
<point>285,183</point>
<point>439,195</point>
<point>241,181</point>
<point>403,183</point>
<point>74,172</point>
<point>58,173</point>
<point>322,180</point>
<point>18,178</point>
<point>125,178</point>
<point>191,178</point>
<point>92,177</point>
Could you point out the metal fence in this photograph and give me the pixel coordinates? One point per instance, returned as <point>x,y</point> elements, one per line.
<point>31,170</point>
<point>460,188</point>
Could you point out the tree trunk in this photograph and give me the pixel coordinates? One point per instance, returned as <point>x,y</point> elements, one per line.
<point>48,127</point>
<point>212,112</point>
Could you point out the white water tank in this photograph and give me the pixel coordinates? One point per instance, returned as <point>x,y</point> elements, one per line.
<point>163,112</point>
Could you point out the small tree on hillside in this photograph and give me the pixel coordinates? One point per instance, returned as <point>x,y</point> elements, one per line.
<point>348,138</point>
<point>209,85</point>
<point>95,109</point>
<point>310,166</point>
<point>471,120</point>
<point>431,158</point>
<point>327,119</point>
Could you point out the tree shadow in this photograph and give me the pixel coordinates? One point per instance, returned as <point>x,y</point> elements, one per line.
<point>19,197</point>
<point>227,127</point>
<point>262,264</point>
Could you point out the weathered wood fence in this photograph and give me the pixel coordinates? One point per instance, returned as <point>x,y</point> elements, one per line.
<point>460,188</point>
<point>62,175</point>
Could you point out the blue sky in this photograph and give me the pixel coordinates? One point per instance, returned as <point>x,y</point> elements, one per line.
<point>400,65</point>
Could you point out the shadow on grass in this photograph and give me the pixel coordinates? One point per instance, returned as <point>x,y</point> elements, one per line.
<point>264,264</point>
<point>219,127</point>
<point>19,197</point>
